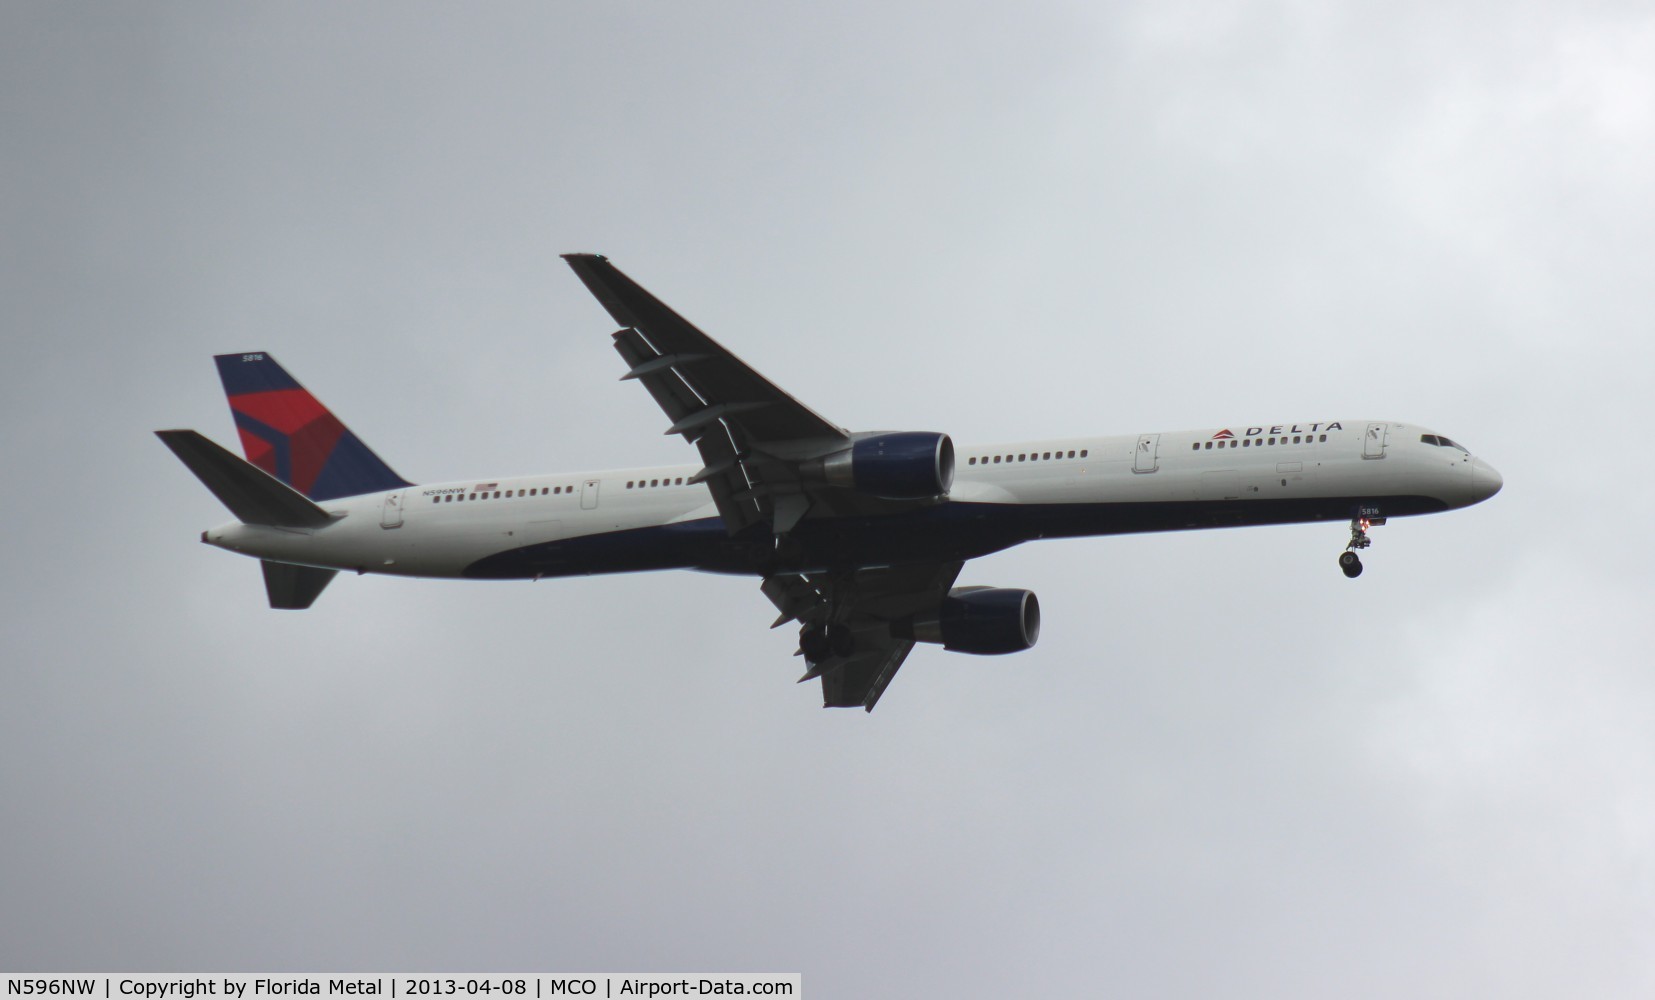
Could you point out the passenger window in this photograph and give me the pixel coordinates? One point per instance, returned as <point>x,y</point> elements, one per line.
<point>1322,438</point>
<point>996,459</point>
<point>1196,446</point>
<point>1209,446</point>
<point>448,499</point>
<point>1246,442</point>
<point>1083,453</point>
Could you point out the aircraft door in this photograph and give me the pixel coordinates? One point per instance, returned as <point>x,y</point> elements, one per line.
<point>391,515</point>
<point>1373,441</point>
<point>589,494</point>
<point>1147,457</point>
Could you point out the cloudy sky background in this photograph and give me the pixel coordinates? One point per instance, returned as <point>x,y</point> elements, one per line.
<point>1224,770</point>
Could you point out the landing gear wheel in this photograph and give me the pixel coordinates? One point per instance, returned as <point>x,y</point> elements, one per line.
<point>1351,563</point>
<point>813,642</point>
<point>820,642</point>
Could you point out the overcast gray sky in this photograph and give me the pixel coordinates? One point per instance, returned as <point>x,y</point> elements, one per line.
<point>1225,770</point>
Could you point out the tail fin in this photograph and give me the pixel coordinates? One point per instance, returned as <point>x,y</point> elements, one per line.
<point>288,433</point>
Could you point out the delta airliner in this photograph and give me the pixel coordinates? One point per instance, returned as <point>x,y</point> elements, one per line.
<point>857,536</point>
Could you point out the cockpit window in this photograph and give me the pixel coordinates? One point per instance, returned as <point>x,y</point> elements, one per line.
<point>1442,442</point>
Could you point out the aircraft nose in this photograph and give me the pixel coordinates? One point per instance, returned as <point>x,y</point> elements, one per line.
<point>1486,479</point>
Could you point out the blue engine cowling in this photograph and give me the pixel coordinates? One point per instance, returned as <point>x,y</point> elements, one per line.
<point>908,465</point>
<point>983,620</point>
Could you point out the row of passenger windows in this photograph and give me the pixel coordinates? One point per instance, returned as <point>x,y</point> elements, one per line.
<point>1027,456</point>
<point>538,491</point>
<point>1259,442</point>
<point>644,484</point>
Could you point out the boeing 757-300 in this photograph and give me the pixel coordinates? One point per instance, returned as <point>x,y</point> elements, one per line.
<point>857,536</point>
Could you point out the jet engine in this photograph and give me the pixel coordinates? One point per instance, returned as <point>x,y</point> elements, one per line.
<point>982,620</point>
<point>907,465</point>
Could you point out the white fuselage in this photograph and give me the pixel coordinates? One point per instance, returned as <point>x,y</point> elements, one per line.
<point>649,518</point>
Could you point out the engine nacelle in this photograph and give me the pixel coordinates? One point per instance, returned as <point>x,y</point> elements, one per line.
<point>982,620</point>
<point>908,465</point>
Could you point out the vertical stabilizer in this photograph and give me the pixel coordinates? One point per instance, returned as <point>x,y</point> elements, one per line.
<point>288,433</point>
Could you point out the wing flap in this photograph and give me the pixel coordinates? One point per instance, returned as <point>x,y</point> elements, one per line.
<point>864,602</point>
<point>861,679</point>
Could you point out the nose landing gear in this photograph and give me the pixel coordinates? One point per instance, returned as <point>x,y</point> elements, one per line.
<point>1349,562</point>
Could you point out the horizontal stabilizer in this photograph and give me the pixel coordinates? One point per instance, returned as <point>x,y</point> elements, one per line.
<point>253,495</point>
<point>294,588</point>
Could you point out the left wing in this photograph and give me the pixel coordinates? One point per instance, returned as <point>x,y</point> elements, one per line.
<point>850,621</point>
<point>763,456</point>
<point>750,433</point>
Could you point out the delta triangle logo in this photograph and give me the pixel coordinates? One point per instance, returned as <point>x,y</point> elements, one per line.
<point>1223,435</point>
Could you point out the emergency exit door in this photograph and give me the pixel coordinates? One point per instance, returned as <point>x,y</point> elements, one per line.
<point>1373,441</point>
<point>391,515</point>
<point>1147,457</point>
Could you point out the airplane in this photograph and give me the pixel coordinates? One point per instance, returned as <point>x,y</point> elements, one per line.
<point>858,537</point>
